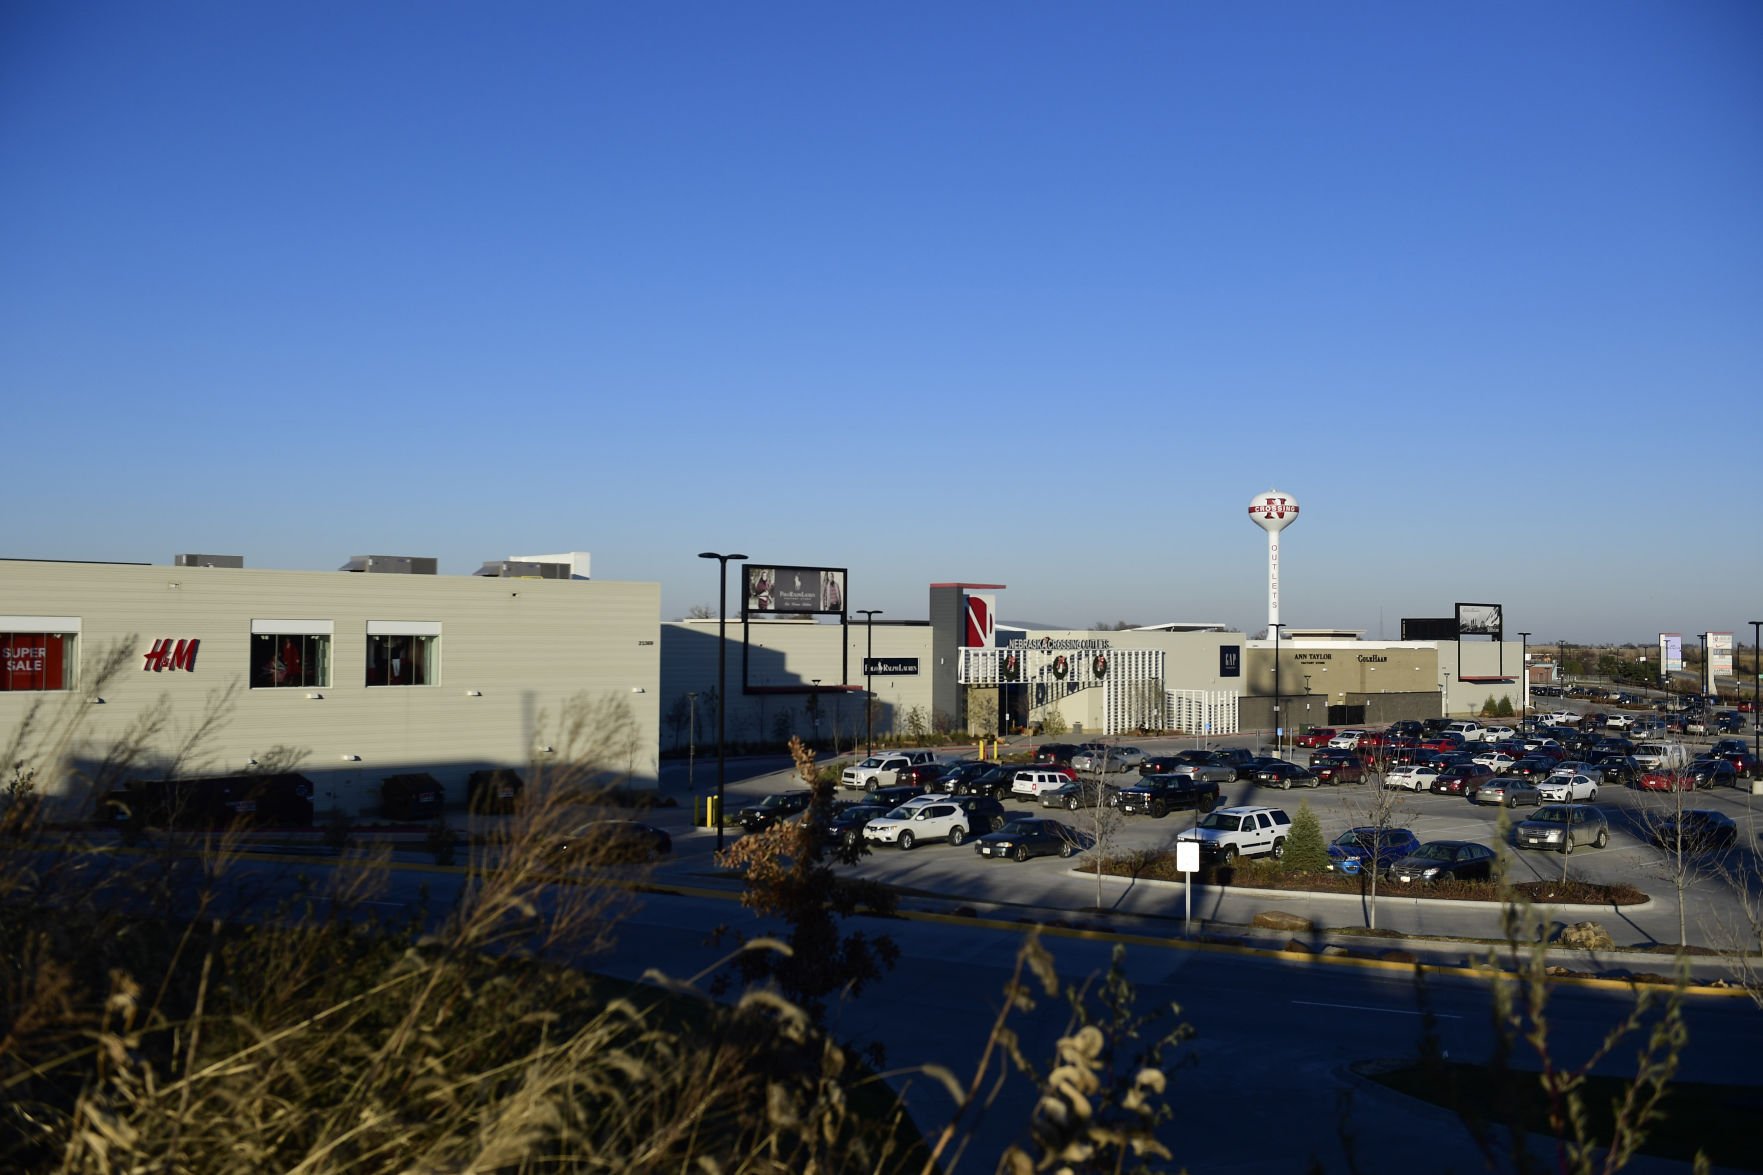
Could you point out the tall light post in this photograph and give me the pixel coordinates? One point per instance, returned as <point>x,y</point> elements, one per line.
<point>1524,668</point>
<point>869,615</point>
<point>1278,730</point>
<point>722,562</point>
<point>691,741</point>
<point>1756,680</point>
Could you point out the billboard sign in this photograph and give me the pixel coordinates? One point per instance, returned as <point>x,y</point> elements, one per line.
<point>1429,628</point>
<point>981,629</point>
<point>1671,652</point>
<point>1719,655</point>
<point>1230,660</point>
<point>792,591</point>
<point>1480,620</point>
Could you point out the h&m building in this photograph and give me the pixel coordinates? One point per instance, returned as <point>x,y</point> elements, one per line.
<point>346,677</point>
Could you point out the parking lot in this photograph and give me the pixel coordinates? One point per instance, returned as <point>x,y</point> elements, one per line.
<point>958,872</point>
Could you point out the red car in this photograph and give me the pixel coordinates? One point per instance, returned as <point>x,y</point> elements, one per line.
<point>1442,742</point>
<point>1316,738</point>
<point>1462,781</point>
<point>1664,780</point>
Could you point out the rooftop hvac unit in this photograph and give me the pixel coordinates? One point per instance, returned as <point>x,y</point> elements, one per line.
<point>391,564</point>
<point>523,569</point>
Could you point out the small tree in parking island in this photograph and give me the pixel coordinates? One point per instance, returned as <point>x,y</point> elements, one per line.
<point>1306,848</point>
<point>789,875</point>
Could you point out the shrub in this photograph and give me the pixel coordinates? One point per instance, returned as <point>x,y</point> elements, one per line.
<point>1490,707</point>
<point>1505,708</point>
<point>1306,849</point>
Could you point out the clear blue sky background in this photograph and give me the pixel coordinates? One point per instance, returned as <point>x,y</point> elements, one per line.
<point>1037,294</point>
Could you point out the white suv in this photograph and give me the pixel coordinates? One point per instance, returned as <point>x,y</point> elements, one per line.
<point>1226,833</point>
<point>1036,781</point>
<point>906,826</point>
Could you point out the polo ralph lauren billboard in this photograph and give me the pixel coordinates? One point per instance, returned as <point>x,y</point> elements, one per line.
<point>792,591</point>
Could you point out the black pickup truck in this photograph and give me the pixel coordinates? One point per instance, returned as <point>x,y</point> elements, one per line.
<point>1159,795</point>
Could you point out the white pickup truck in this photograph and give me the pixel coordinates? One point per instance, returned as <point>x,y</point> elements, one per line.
<point>882,770</point>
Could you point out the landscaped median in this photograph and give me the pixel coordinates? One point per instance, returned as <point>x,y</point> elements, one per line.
<point>1266,874</point>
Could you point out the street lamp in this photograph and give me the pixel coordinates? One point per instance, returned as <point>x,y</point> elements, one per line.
<point>722,562</point>
<point>1278,730</point>
<point>869,615</point>
<point>1524,668</point>
<point>1756,680</point>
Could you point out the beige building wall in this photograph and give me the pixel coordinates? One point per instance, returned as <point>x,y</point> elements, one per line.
<point>783,660</point>
<point>511,653</point>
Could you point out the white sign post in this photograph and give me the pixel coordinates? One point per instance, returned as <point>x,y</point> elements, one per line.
<point>1187,861</point>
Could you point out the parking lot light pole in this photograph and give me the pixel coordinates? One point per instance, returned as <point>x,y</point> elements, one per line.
<point>1524,692</point>
<point>869,615</point>
<point>1278,735</point>
<point>1756,680</point>
<point>722,562</point>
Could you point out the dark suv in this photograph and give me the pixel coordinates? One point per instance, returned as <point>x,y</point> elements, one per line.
<point>1058,754</point>
<point>772,809</point>
<point>984,814</point>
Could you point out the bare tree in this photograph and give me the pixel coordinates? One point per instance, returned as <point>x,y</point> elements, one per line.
<point>1104,819</point>
<point>1681,854</point>
<point>700,612</point>
<point>1383,810</point>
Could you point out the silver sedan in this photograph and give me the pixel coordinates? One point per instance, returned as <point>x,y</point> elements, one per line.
<point>1510,791</point>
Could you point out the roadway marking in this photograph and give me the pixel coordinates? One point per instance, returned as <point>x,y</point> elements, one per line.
<point>1391,1011</point>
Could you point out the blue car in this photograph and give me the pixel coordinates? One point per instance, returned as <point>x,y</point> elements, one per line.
<point>1348,851</point>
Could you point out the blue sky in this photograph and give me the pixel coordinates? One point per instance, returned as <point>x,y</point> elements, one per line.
<point>1037,294</point>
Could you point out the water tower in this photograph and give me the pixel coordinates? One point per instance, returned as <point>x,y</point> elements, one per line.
<point>1273,511</point>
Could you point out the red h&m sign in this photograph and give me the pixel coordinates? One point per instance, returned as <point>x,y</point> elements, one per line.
<point>169,654</point>
<point>31,661</point>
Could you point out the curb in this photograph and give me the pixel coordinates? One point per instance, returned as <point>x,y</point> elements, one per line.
<point>1395,895</point>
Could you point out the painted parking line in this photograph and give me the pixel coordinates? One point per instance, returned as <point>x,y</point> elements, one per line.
<point>1364,1008</point>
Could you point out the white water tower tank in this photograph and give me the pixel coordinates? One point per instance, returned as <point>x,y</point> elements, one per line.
<point>1273,511</point>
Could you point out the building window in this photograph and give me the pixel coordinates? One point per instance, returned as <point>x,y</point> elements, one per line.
<point>38,660</point>
<point>403,653</point>
<point>287,659</point>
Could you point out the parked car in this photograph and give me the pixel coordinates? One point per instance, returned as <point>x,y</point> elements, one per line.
<point>1744,765</point>
<point>1508,790</point>
<point>1619,770</point>
<point>846,825</point>
<point>1349,851</point>
<point>1532,768</point>
<point>1667,779</point>
<point>1498,762</point>
<point>984,813</point>
<point>1081,793</point>
<point>882,770</point>
<point>1334,767</point>
<point>1031,782</point>
<point>1445,860</point>
<point>1285,776</point>
<point>1346,740</point>
<point>1463,780</point>
<point>1411,776</point>
<point>992,780</point>
<point>615,841</point>
<point>1247,831</point>
<point>1159,795</point>
<point>1107,759</point>
<point>1713,773</point>
<point>1026,837</point>
<point>768,811</point>
<point>1562,827</point>
<point>1316,736</point>
<point>1567,787</point>
<point>1703,830</point>
<point>1058,754</point>
<point>906,826</point>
